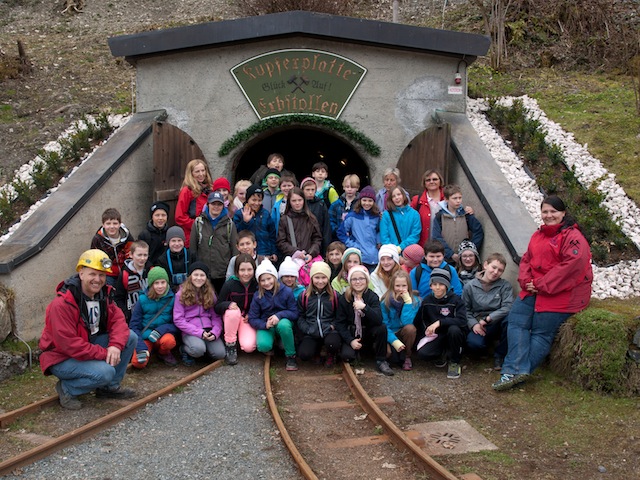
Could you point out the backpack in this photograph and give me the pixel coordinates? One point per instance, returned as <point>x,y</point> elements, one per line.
<point>199,222</point>
<point>419,273</point>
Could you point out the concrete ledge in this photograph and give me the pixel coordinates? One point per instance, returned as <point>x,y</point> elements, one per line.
<point>51,217</point>
<point>502,205</point>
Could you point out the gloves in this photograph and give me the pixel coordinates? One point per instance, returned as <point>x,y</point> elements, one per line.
<point>154,336</point>
<point>406,297</point>
<point>142,356</point>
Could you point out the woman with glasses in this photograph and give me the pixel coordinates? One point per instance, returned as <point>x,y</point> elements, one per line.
<point>427,202</point>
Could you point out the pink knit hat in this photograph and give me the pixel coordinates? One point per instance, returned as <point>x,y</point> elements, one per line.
<point>412,255</point>
<point>358,268</point>
<point>307,180</point>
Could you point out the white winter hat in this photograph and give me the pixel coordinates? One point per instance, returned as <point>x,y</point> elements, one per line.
<point>288,267</point>
<point>266,267</point>
<point>389,250</point>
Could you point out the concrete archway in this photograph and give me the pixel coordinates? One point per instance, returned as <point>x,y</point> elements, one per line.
<point>301,148</point>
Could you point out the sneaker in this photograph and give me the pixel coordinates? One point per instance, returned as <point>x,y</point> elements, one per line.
<point>187,359</point>
<point>441,362</point>
<point>330,361</point>
<point>383,367</point>
<point>454,370</point>
<point>292,365</point>
<point>509,380</point>
<point>168,359</point>
<point>66,400</point>
<point>497,363</point>
<point>232,353</point>
<point>407,365</point>
<point>118,393</point>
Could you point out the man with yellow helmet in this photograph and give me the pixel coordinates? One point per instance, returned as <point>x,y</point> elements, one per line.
<point>86,341</point>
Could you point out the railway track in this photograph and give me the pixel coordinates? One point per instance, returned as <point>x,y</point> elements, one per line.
<point>78,434</point>
<point>368,441</point>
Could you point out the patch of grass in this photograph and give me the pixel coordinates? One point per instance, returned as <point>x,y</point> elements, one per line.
<point>6,114</point>
<point>15,346</point>
<point>25,389</point>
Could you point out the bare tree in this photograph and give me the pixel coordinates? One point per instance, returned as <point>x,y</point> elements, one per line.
<point>494,14</point>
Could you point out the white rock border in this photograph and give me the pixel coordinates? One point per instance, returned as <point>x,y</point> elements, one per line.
<point>621,280</point>
<point>24,173</point>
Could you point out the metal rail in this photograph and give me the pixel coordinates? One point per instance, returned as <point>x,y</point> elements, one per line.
<point>89,429</point>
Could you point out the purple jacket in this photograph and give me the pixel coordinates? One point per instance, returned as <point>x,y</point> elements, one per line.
<point>194,319</point>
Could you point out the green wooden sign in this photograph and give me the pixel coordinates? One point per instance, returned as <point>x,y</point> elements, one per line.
<point>287,82</point>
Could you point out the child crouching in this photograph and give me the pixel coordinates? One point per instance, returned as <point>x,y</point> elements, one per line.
<point>152,321</point>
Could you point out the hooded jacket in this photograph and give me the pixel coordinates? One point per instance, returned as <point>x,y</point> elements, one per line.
<point>282,305</point>
<point>155,238</point>
<point>129,286</point>
<point>262,227</point>
<point>66,330</point>
<point>193,319</point>
<point>472,229</point>
<point>119,252</point>
<point>398,315</point>
<point>214,246</point>
<point>558,260</point>
<point>408,223</point>
<point>495,302</point>
<point>154,311</point>
<point>189,208</point>
<point>338,212</point>
<point>448,310</point>
<point>318,314</point>
<point>360,230</point>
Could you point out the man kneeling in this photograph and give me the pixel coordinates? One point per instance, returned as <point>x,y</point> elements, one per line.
<point>86,341</point>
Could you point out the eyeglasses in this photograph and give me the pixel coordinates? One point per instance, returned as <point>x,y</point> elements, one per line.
<point>359,279</point>
<point>436,179</point>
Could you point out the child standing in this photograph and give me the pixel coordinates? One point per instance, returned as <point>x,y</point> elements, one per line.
<point>214,238</point>
<point>287,183</point>
<point>453,224</point>
<point>152,321</point>
<point>299,231</point>
<point>468,261</point>
<point>156,231</point>
<point>254,217</point>
<point>333,257</point>
<point>176,259</point>
<point>288,275</point>
<point>400,224</point>
<point>271,189</point>
<point>194,315</point>
<point>316,323</point>
<point>359,320</point>
<point>133,278</point>
<point>361,227</point>
<point>440,323</point>
<point>274,160</point>
<point>272,312</point>
<point>318,208</point>
<point>114,239</point>
<point>240,194</point>
<point>350,258</point>
<point>341,207</point>
<point>233,306</point>
<point>399,306</point>
<point>488,299</point>
<point>324,189</point>
<point>388,265</point>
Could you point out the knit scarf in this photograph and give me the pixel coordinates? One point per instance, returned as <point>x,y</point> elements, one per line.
<point>358,321</point>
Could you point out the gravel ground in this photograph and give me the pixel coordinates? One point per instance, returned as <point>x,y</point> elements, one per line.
<point>218,427</point>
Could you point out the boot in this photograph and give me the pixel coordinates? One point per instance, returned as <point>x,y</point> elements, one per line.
<point>232,353</point>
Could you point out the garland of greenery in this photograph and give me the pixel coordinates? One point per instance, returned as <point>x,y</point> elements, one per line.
<point>336,125</point>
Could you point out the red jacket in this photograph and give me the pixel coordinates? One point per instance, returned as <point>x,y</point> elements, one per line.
<point>66,335</point>
<point>559,263</point>
<point>183,215</point>
<point>421,204</point>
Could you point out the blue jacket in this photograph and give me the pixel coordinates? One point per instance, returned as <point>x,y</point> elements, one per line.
<point>395,320</point>
<point>476,233</point>
<point>275,212</point>
<point>409,225</point>
<point>360,230</point>
<point>338,211</point>
<point>145,310</point>
<point>425,279</point>
<point>262,227</point>
<point>282,305</point>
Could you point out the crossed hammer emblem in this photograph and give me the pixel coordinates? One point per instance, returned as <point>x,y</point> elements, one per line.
<point>298,82</point>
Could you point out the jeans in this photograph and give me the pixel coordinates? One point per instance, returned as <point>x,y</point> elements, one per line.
<point>81,376</point>
<point>494,331</point>
<point>530,335</point>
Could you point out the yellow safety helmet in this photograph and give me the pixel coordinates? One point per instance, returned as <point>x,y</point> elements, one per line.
<point>96,259</point>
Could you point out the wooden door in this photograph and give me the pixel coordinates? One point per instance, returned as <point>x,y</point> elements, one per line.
<point>431,149</point>
<point>173,149</point>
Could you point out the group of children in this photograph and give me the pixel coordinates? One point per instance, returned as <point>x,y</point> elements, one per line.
<point>228,286</point>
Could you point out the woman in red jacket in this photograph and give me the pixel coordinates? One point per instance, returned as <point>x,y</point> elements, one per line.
<point>427,202</point>
<point>196,187</point>
<point>555,276</point>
